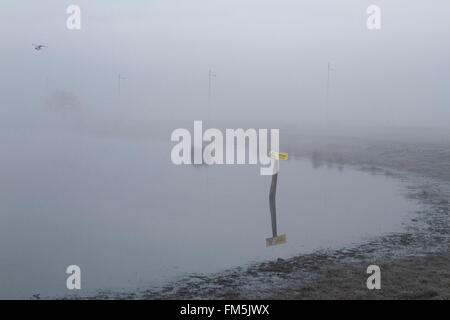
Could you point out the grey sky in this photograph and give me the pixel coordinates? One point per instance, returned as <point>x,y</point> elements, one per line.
<point>86,176</point>
<point>270,58</point>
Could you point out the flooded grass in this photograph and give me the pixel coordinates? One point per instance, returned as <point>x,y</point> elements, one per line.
<point>108,210</point>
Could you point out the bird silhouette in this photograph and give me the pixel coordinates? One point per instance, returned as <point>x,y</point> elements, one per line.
<point>38,46</point>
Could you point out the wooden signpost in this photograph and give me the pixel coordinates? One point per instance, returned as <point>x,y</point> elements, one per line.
<point>276,239</point>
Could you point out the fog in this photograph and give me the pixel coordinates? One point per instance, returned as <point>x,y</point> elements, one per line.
<point>269,57</point>
<point>85,170</point>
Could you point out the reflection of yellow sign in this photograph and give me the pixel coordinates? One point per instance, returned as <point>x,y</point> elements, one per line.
<point>279,155</point>
<point>276,240</point>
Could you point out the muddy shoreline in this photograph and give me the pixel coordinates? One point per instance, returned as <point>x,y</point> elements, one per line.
<point>415,264</point>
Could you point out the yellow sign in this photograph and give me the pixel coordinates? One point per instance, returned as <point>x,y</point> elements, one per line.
<point>276,240</point>
<point>279,155</point>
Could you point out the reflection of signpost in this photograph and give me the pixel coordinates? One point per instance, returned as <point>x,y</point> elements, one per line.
<point>276,156</point>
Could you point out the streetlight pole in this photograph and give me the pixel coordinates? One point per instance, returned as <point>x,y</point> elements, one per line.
<point>330,69</point>
<point>210,76</point>
<point>119,78</point>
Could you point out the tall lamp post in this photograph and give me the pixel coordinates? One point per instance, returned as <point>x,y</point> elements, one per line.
<point>119,79</point>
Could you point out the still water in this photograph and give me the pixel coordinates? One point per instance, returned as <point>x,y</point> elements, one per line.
<point>129,218</point>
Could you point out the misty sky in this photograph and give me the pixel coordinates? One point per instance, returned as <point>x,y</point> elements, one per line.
<point>270,58</point>
<point>121,209</point>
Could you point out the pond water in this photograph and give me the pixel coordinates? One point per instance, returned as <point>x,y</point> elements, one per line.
<point>129,218</point>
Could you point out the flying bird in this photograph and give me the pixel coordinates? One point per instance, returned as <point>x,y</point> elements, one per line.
<point>38,46</point>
